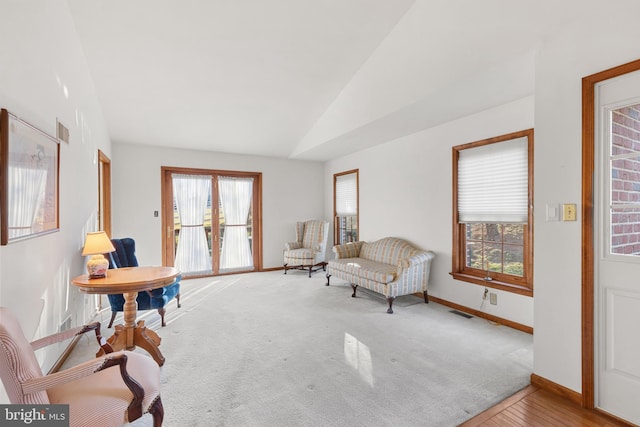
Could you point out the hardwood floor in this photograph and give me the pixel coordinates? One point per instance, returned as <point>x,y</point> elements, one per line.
<point>536,407</point>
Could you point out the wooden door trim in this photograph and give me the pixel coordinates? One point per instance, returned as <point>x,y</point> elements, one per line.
<point>168,257</point>
<point>104,190</point>
<point>588,159</point>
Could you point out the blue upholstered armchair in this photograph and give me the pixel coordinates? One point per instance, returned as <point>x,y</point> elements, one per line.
<point>125,256</point>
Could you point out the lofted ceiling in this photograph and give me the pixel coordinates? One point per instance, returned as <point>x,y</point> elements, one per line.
<point>258,76</point>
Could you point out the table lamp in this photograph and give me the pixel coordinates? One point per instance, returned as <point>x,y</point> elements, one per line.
<point>96,244</point>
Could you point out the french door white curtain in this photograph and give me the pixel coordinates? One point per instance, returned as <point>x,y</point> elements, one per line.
<point>235,197</point>
<point>191,195</point>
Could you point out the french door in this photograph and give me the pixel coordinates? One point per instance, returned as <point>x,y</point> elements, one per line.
<point>617,246</point>
<point>211,221</point>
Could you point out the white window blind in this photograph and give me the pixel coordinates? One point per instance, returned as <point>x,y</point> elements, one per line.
<point>346,195</point>
<point>493,183</point>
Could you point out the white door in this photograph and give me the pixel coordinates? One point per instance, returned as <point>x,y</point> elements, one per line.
<point>617,246</point>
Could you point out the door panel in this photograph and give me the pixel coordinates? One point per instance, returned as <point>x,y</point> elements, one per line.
<point>622,322</point>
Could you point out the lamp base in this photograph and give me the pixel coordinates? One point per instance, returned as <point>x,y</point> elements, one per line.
<point>97,267</point>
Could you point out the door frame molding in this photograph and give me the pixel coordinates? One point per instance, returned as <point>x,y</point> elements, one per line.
<point>104,192</point>
<point>588,280</point>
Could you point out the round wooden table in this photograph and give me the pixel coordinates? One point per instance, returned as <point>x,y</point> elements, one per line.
<point>129,281</point>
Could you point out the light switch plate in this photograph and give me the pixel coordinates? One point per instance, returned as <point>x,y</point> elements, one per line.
<point>569,212</point>
<point>553,212</point>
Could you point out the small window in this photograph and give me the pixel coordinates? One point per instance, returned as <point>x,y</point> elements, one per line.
<point>345,206</point>
<point>493,212</point>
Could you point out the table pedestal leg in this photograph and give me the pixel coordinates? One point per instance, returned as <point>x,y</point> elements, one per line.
<point>130,311</point>
<point>149,340</point>
<point>130,335</point>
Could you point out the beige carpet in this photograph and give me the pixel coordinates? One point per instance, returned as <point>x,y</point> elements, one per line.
<point>267,349</point>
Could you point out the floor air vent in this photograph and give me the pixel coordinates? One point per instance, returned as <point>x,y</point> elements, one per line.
<point>459,313</point>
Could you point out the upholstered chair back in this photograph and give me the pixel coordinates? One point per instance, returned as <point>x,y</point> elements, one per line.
<point>18,361</point>
<point>125,253</point>
<point>313,234</point>
<point>388,250</point>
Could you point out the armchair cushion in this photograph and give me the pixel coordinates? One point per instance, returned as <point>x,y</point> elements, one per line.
<point>90,406</point>
<point>367,270</point>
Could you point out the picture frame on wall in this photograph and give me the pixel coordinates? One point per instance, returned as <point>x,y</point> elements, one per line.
<point>29,180</point>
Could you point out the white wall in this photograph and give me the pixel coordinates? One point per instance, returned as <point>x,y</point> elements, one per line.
<point>405,191</point>
<point>602,36</point>
<point>292,190</point>
<point>43,76</point>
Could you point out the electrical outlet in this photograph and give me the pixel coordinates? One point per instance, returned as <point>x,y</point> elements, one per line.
<point>493,298</point>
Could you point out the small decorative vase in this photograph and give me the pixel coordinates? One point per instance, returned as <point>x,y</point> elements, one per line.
<point>97,266</point>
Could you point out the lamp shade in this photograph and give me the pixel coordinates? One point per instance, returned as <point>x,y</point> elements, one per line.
<point>97,243</point>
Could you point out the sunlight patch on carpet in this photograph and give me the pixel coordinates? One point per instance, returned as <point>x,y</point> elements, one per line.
<point>358,357</point>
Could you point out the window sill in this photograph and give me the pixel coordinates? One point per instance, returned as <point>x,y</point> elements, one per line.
<point>495,284</point>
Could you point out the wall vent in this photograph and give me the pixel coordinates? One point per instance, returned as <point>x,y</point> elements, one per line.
<point>62,132</point>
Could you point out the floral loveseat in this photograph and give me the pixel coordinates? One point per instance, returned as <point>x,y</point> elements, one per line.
<point>389,266</point>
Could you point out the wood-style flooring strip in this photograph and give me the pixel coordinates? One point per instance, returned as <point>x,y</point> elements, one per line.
<point>526,417</point>
<point>486,415</point>
<point>533,407</point>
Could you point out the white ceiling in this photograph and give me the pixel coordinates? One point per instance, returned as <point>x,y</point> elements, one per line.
<point>255,76</point>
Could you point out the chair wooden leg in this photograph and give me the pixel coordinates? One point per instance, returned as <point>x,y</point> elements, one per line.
<point>161,311</point>
<point>157,411</point>
<point>178,299</point>
<point>285,269</point>
<point>328,275</point>
<point>354,287</point>
<point>310,270</point>
<point>113,317</point>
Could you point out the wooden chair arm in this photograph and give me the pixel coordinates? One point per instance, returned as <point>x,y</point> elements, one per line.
<point>64,335</point>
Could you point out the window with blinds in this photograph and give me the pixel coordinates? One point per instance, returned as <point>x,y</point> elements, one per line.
<point>493,193</point>
<point>345,204</point>
<point>493,183</point>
